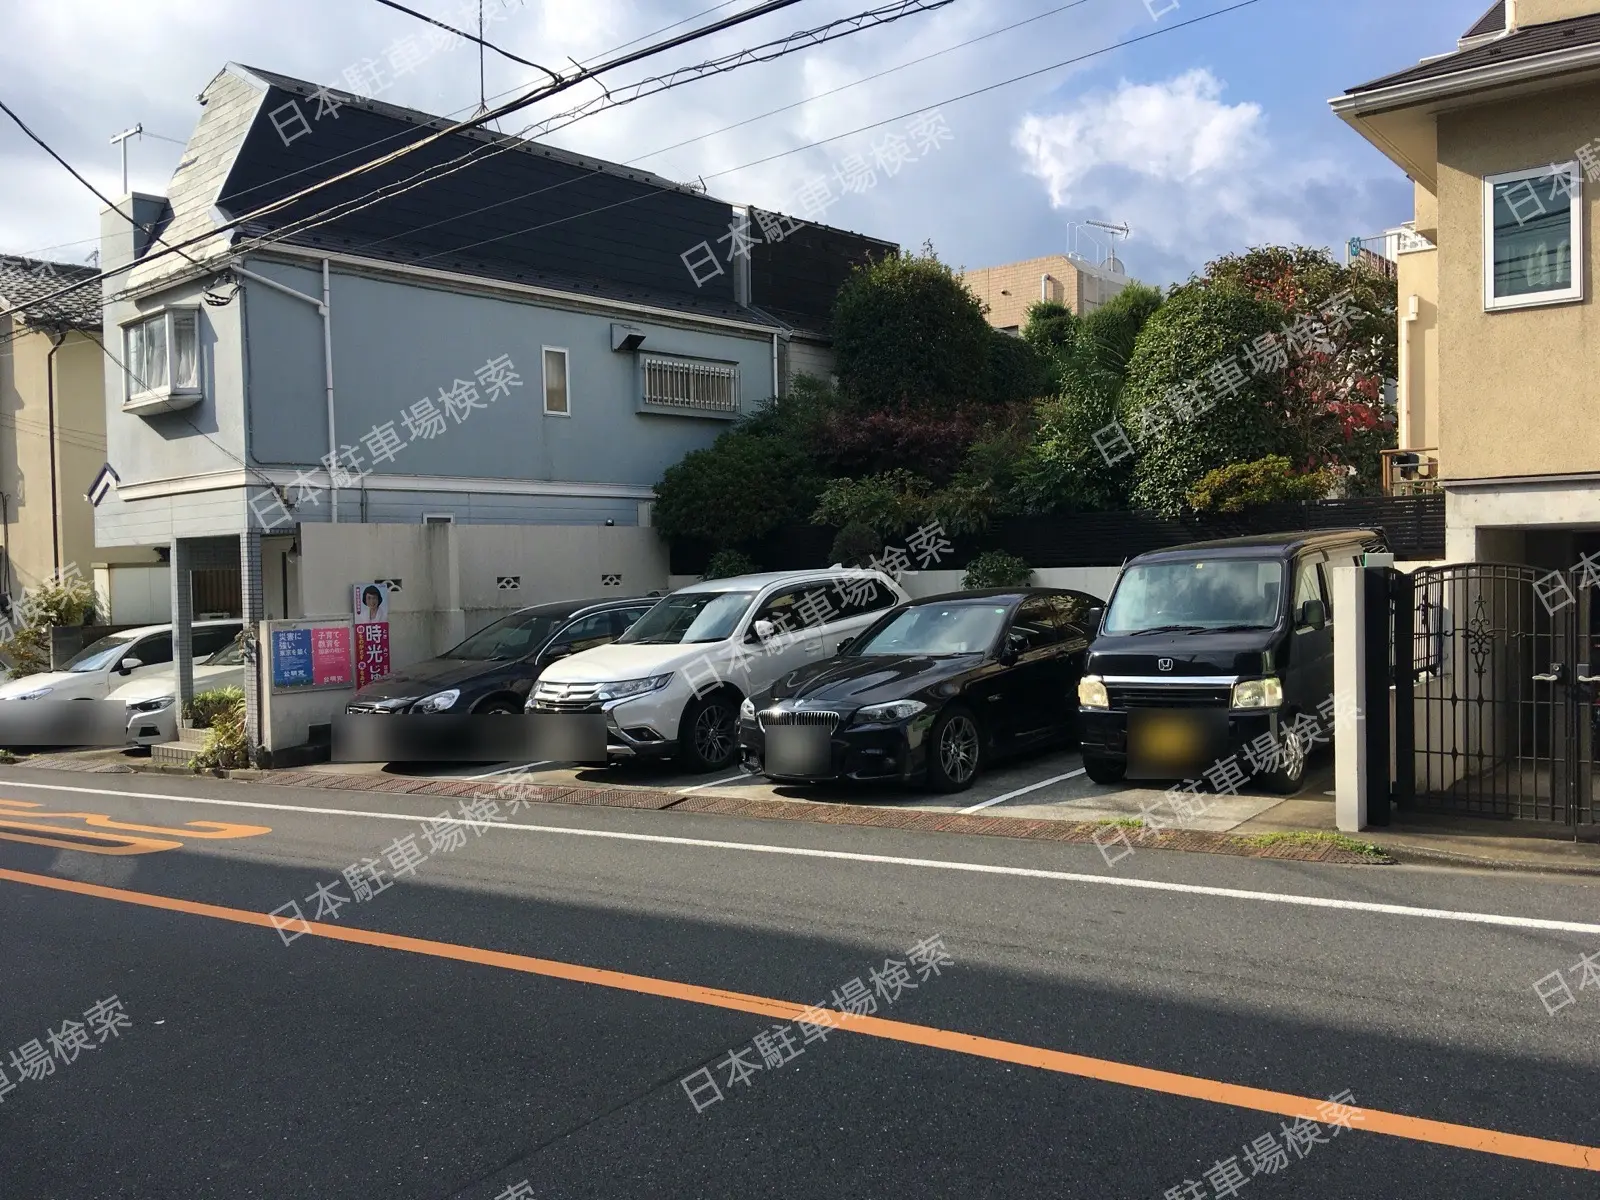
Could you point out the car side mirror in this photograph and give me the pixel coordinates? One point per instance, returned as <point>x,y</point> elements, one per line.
<point>1016,645</point>
<point>1092,619</point>
<point>845,644</point>
<point>764,630</point>
<point>1313,615</point>
<point>129,664</point>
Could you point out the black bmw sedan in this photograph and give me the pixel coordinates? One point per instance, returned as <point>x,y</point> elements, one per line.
<point>933,690</point>
<point>494,669</point>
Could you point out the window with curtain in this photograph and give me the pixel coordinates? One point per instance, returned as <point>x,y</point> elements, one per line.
<point>555,382</point>
<point>162,354</point>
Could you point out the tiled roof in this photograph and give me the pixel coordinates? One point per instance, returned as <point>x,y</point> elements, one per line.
<point>25,281</point>
<point>1492,21</point>
<point>1524,43</point>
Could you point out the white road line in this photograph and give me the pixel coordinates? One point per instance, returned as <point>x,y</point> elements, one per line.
<point>1147,885</point>
<point>717,782</point>
<point>1023,791</point>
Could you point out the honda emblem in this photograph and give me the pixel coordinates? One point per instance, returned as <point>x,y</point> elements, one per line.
<point>1163,664</point>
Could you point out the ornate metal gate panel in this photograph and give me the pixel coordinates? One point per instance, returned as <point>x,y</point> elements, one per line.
<point>1497,724</point>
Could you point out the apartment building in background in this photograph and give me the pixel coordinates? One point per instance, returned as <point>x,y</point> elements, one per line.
<point>1011,288</point>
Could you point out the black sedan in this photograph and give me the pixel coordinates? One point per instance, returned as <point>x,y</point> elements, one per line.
<point>933,690</point>
<point>494,669</point>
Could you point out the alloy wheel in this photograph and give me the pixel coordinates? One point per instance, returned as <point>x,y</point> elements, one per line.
<point>713,733</point>
<point>958,748</point>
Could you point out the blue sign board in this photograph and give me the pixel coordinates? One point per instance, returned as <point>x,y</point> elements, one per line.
<point>291,658</point>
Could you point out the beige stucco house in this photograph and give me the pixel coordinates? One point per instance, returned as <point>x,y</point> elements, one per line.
<point>1011,288</point>
<point>53,433</point>
<point>1499,330</point>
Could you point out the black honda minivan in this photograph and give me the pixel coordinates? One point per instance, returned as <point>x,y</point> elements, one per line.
<point>1206,648</point>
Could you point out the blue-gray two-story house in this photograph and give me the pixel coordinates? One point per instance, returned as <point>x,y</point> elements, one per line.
<point>483,330</point>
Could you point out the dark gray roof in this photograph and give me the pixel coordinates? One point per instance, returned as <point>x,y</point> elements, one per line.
<point>1524,43</point>
<point>23,281</point>
<point>1492,21</point>
<point>518,211</point>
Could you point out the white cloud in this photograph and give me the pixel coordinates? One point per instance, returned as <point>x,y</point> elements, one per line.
<point>1193,175</point>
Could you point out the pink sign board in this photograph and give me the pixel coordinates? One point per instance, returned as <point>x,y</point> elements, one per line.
<point>330,656</point>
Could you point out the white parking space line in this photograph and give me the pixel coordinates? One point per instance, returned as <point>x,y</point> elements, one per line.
<point>509,768</point>
<point>740,777</point>
<point>935,864</point>
<point>1023,791</point>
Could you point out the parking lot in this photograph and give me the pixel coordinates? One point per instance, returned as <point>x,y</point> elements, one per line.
<point>1048,785</point>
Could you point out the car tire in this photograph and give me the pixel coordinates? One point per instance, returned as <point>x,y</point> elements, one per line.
<point>955,750</point>
<point>500,708</point>
<point>1104,770</point>
<point>1288,776</point>
<point>708,734</point>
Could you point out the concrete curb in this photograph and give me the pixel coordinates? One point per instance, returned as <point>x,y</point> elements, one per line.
<point>1423,856</point>
<point>924,820</point>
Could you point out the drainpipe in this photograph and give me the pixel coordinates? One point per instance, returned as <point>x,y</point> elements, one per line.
<point>324,309</point>
<point>774,364</point>
<point>1044,288</point>
<point>55,498</point>
<point>1403,415</point>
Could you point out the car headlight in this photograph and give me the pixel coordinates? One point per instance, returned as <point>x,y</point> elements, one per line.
<point>35,694</point>
<point>895,710</point>
<point>624,688</point>
<point>154,704</point>
<point>437,702</point>
<point>1258,693</point>
<point>747,710</point>
<point>1092,692</point>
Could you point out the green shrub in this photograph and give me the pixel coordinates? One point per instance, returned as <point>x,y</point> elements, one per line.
<point>996,569</point>
<point>1017,370</point>
<point>56,602</point>
<point>1269,480</point>
<point>227,746</point>
<point>886,503</point>
<point>725,564</point>
<point>202,710</point>
<point>856,545</point>
<point>739,489</point>
<point>907,329</point>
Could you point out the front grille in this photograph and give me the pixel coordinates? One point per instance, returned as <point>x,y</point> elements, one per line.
<point>788,716</point>
<point>566,698</point>
<point>380,708</point>
<point>1176,695</point>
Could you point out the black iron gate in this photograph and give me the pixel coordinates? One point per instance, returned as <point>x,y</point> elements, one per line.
<point>1495,669</point>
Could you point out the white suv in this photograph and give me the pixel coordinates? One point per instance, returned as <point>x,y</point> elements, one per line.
<point>672,684</point>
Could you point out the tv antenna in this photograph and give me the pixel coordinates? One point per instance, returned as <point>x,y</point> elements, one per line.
<point>1116,231</point>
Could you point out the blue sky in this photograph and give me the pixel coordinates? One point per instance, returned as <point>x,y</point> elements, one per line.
<point>1206,139</point>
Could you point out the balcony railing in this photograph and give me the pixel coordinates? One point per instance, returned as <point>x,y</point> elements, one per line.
<point>1410,472</point>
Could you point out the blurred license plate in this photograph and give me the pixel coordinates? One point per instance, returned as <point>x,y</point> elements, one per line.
<point>1175,743</point>
<point>799,750</point>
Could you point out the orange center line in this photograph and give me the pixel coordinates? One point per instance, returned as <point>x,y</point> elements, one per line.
<point>1194,1087</point>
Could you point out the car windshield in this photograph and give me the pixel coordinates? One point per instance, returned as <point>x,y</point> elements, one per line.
<point>516,636</point>
<point>231,655</point>
<point>936,629</point>
<point>690,617</point>
<point>1196,595</point>
<point>97,656</point>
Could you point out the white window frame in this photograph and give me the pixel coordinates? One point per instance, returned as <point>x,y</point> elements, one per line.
<point>717,368</point>
<point>438,518</point>
<point>544,382</point>
<point>1566,295</point>
<point>164,395</point>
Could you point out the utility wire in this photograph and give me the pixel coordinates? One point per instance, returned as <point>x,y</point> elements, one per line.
<point>523,101</point>
<point>411,12</point>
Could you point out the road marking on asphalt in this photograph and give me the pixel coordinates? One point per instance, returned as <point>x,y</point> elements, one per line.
<point>741,776</point>
<point>1023,791</point>
<point>1194,1087</point>
<point>659,839</point>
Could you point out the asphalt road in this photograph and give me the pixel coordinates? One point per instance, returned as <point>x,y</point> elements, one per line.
<point>516,1016</point>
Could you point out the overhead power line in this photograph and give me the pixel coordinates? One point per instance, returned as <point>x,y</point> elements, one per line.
<point>732,62</point>
<point>411,12</point>
<point>521,102</point>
